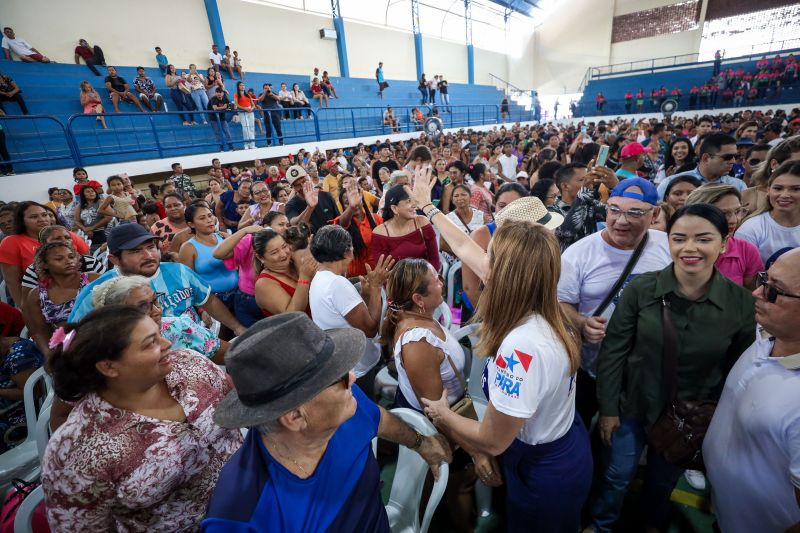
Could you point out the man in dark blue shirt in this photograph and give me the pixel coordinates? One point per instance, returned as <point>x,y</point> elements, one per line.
<point>307,462</point>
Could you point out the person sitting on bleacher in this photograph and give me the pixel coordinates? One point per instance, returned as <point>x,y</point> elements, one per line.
<point>146,90</point>
<point>19,358</point>
<point>21,47</point>
<point>91,55</point>
<point>118,90</point>
<point>10,92</point>
<point>390,120</point>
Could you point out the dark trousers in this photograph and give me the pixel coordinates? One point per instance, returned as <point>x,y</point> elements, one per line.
<point>272,120</point>
<point>98,59</point>
<point>182,103</point>
<point>16,98</point>
<point>5,168</point>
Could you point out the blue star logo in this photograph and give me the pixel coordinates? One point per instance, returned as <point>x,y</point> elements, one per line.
<point>511,362</point>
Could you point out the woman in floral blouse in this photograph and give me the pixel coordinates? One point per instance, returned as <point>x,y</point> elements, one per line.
<point>140,450</point>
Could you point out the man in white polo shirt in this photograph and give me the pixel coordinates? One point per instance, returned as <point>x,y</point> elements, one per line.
<point>752,448</point>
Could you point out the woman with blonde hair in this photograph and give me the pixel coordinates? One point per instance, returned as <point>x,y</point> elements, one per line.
<point>90,100</point>
<point>534,356</point>
<point>755,198</point>
<point>776,226</point>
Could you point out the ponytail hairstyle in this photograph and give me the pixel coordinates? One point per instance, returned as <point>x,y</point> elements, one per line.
<point>40,259</point>
<point>353,230</point>
<point>298,236</point>
<point>104,334</point>
<point>406,279</point>
<point>477,171</point>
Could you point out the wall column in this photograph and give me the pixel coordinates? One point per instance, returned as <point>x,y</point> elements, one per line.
<point>341,43</point>
<point>417,38</point>
<point>215,24</point>
<point>470,49</point>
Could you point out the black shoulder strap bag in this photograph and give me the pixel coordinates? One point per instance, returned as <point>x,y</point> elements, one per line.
<point>637,253</point>
<point>677,436</point>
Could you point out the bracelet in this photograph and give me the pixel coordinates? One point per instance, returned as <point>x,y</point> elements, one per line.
<point>418,440</point>
<point>432,213</point>
<point>303,282</point>
<point>424,206</point>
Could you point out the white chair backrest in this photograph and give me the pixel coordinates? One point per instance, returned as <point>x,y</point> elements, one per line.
<point>409,480</point>
<point>453,274</point>
<point>3,294</point>
<point>43,430</point>
<point>460,334</point>
<point>34,402</point>
<point>443,315</point>
<point>23,520</point>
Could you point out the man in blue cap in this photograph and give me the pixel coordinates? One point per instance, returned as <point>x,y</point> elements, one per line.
<point>134,252</point>
<point>596,269</point>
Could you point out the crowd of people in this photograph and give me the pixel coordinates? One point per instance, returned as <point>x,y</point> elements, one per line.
<point>620,273</point>
<point>724,88</point>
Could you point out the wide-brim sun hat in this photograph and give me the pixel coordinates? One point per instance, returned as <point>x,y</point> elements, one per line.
<point>531,209</point>
<point>282,362</point>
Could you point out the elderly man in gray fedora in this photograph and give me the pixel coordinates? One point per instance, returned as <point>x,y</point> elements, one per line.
<point>307,462</point>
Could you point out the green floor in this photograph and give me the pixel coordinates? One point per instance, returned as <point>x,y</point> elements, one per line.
<point>690,509</point>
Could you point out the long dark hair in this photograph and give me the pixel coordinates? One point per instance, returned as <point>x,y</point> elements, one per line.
<point>82,196</point>
<point>355,233</point>
<point>103,334</point>
<point>19,215</point>
<point>669,159</point>
<point>260,242</point>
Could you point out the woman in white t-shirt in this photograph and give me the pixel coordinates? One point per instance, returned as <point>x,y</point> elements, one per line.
<point>430,362</point>
<point>334,300</point>
<point>530,419</point>
<point>777,226</point>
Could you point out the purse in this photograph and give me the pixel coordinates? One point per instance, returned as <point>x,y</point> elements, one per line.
<point>463,406</point>
<point>677,436</point>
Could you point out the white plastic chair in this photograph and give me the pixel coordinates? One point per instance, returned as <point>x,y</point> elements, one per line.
<point>454,271</point>
<point>474,369</point>
<point>23,522</point>
<point>23,461</point>
<point>3,294</point>
<point>443,315</point>
<point>409,480</point>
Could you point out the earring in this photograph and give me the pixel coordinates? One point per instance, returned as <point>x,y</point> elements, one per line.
<point>422,309</point>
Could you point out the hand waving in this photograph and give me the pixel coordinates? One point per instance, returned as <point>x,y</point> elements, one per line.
<point>423,184</point>
<point>311,194</point>
<point>378,276</point>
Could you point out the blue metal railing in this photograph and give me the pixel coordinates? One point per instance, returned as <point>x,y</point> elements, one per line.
<point>134,135</point>
<point>34,139</point>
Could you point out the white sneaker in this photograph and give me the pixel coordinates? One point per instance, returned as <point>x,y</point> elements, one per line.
<point>695,479</point>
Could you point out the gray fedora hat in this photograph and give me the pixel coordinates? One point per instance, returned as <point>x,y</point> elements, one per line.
<point>280,363</point>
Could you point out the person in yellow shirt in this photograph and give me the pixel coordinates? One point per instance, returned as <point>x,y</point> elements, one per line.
<point>330,184</point>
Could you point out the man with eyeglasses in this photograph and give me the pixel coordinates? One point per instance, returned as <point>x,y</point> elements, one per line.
<point>134,252</point>
<point>592,266</point>
<point>755,155</point>
<point>752,448</point>
<point>716,155</point>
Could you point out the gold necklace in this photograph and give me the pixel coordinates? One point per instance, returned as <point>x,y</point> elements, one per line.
<point>290,459</point>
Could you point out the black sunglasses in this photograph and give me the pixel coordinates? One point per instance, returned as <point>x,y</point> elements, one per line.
<point>753,161</point>
<point>771,292</point>
<point>726,157</point>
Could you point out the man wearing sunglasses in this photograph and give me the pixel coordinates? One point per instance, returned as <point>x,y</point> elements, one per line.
<point>716,155</point>
<point>752,448</point>
<point>755,155</point>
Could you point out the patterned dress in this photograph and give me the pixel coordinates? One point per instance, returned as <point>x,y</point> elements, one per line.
<point>108,469</point>
<point>23,355</point>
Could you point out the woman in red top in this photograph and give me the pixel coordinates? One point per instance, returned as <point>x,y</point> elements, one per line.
<point>280,285</point>
<point>481,197</point>
<point>245,106</point>
<point>317,93</point>
<point>357,219</point>
<point>404,233</point>
<point>17,251</point>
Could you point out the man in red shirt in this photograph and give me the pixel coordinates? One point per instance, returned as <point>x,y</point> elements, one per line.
<point>91,55</point>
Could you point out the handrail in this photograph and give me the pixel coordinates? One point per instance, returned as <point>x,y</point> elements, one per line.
<point>509,84</point>
<point>136,135</point>
<point>671,61</point>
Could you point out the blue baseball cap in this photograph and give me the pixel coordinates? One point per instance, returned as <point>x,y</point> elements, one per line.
<point>649,193</point>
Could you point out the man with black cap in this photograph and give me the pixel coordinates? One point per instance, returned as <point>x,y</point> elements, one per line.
<point>220,103</point>
<point>134,252</point>
<point>308,204</point>
<point>307,461</point>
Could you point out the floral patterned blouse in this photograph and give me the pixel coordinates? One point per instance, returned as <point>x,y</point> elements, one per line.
<point>183,332</point>
<point>107,469</point>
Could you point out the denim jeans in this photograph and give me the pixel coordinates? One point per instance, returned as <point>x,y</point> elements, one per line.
<point>424,93</point>
<point>200,99</point>
<point>445,97</point>
<point>246,309</point>
<point>620,463</point>
<point>182,103</point>
<point>272,122</point>
<point>247,120</point>
<point>225,138</point>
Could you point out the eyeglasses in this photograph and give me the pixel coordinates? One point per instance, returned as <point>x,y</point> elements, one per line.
<point>145,307</point>
<point>753,161</point>
<point>261,191</point>
<point>344,380</point>
<point>630,214</point>
<point>726,157</point>
<point>771,292</point>
<point>738,213</point>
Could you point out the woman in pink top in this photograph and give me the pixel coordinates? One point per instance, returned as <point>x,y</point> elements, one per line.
<point>237,252</point>
<point>741,261</point>
<point>481,197</point>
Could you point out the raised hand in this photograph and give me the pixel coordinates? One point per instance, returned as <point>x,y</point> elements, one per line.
<point>308,267</point>
<point>311,194</point>
<point>423,185</point>
<point>378,276</point>
<point>353,196</point>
